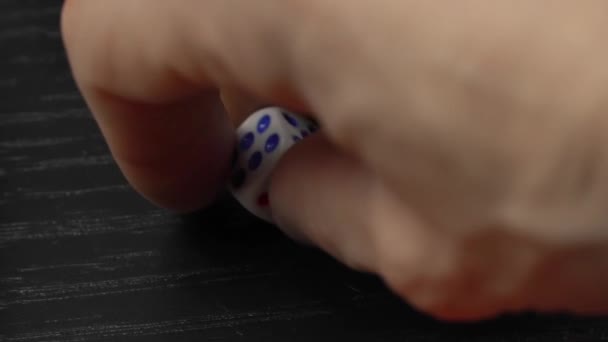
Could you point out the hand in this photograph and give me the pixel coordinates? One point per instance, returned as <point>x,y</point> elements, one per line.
<point>463,157</point>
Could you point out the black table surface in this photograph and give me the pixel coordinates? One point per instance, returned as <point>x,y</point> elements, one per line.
<point>84,258</point>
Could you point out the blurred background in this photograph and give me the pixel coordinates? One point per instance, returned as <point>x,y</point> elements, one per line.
<point>84,258</point>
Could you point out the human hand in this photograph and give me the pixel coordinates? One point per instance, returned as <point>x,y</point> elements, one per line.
<point>462,157</point>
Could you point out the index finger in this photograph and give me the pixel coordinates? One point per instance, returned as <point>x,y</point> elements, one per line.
<point>149,71</point>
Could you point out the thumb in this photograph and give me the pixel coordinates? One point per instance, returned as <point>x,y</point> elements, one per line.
<point>322,196</point>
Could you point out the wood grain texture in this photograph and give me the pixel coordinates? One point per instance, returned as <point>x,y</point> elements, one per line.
<point>84,258</point>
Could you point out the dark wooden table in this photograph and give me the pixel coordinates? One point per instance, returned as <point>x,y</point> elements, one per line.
<point>84,258</point>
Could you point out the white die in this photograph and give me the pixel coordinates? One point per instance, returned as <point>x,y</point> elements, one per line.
<point>262,139</point>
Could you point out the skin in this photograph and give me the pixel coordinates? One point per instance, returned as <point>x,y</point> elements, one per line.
<point>462,157</point>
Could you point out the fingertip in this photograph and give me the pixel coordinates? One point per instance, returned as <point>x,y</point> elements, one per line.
<point>320,197</point>
<point>176,155</point>
<point>293,184</point>
<point>183,185</point>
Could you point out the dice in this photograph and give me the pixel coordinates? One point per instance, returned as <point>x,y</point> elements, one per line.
<point>261,141</point>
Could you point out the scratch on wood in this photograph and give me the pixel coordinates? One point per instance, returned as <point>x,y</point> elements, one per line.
<point>28,31</point>
<point>56,228</point>
<point>69,96</point>
<point>23,14</point>
<point>62,292</point>
<point>29,194</point>
<point>40,142</point>
<point>62,163</point>
<point>197,323</point>
<point>29,117</point>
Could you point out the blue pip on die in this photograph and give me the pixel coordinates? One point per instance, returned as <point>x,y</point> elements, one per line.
<point>261,141</point>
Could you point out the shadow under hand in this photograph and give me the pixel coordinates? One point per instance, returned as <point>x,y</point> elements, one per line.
<point>277,273</point>
<point>248,266</point>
